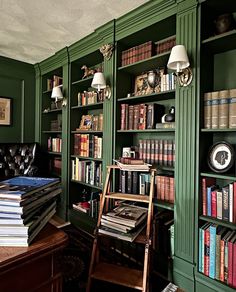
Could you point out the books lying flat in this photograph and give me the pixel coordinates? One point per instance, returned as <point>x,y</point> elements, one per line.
<point>30,203</point>
<point>13,240</point>
<point>130,236</point>
<point>21,187</point>
<point>116,226</point>
<point>125,214</point>
<point>133,167</point>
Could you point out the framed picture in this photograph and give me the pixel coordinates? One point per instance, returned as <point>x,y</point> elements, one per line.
<point>86,122</point>
<point>5,111</point>
<point>221,157</point>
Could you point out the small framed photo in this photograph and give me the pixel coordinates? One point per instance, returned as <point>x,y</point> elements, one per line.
<point>5,111</point>
<point>86,122</point>
<point>141,86</point>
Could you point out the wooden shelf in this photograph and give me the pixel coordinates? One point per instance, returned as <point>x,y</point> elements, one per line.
<point>86,184</point>
<point>52,132</point>
<point>54,153</point>
<point>86,158</point>
<point>221,43</point>
<point>147,130</point>
<point>218,221</point>
<point>56,110</point>
<point>170,94</point>
<point>115,274</point>
<point>220,176</point>
<point>88,106</point>
<point>147,64</point>
<point>86,132</point>
<point>82,81</point>
<point>129,197</point>
<point>163,204</point>
<point>218,130</point>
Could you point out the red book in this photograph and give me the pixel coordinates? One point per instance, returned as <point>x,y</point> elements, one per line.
<point>206,182</point>
<point>213,204</point>
<point>167,188</point>
<point>234,264</point>
<point>230,260</point>
<point>172,190</point>
<point>162,188</point>
<point>158,182</point>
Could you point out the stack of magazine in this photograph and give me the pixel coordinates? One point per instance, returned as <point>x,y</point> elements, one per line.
<point>26,205</point>
<point>124,222</point>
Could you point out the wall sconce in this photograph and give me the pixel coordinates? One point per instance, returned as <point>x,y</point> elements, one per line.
<point>100,83</point>
<point>59,99</point>
<point>178,61</point>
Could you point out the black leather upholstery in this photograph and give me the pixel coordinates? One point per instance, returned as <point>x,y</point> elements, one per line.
<point>19,159</point>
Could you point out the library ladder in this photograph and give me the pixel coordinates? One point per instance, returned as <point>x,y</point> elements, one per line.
<point>116,274</point>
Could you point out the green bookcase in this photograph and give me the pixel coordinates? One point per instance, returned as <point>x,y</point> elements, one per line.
<point>217,59</point>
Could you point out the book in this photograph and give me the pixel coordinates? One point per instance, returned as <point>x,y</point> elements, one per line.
<point>26,240</point>
<point>30,203</point>
<point>215,110</point>
<point>232,108</point>
<point>116,226</point>
<point>223,109</point>
<point>25,230</point>
<point>125,214</point>
<point>207,110</point>
<point>23,186</point>
<point>219,234</point>
<point>133,167</point>
<point>129,236</point>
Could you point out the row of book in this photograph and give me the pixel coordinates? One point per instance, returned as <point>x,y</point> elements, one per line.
<point>87,171</point>
<point>141,116</point>
<point>26,205</point>
<point>91,122</point>
<point>220,109</point>
<point>90,207</point>
<point>137,53</point>
<point>90,97</point>
<point>54,82</point>
<point>133,182</point>
<point>155,151</point>
<point>217,253</point>
<point>56,125</point>
<point>165,188</point>
<point>165,45</point>
<point>219,202</point>
<point>167,82</point>
<point>88,145</point>
<point>54,144</point>
<point>124,222</point>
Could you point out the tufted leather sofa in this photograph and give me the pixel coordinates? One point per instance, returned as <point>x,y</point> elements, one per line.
<point>19,159</point>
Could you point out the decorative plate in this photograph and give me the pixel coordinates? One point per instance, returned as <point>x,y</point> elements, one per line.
<point>221,157</point>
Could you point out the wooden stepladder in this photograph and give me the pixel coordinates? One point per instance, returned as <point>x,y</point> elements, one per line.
<point>129,277</point>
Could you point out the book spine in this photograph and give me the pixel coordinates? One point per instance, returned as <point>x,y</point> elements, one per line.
<point>223,109</point>
<point>206,251</point>
<point>200,251</point>
<point>234,264</point>
<point>232,108</point>
<point>212,255</point>
<point>165,152</point>
<point>225,192</point>
<point>234,203</point>
<point>158,184</point>
<point>213,204</point>
<point>219,205</point>
<point>207,110</point>
<point>215,110</point>
<point>222,259</point>
<point>230,264</point>
<point>231,204</point>
<point>217,275</point>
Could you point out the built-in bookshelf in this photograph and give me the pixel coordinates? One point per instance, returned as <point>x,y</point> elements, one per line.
<point>217,189</point>
<point>51,129</point>
<point>86,140</point>
<point>140,107</point>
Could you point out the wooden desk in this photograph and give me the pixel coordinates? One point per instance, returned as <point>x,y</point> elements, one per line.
<point>33,268</point>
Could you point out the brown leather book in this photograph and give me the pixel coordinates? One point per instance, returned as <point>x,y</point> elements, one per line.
<point>207,110</point>
<point>223,109</point>
<point>232,108</point>
<point>215,110</point>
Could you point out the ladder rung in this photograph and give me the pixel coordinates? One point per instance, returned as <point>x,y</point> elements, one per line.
<point>129,197</point>
<point>115,274</point>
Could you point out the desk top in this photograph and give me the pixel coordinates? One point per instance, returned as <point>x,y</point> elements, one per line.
<point>49,240</point>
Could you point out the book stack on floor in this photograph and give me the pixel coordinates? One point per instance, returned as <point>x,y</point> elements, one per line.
<point>26,205</point>
<point>124,222</point>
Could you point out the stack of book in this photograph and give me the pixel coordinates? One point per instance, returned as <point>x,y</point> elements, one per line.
<point>26,205</point>
<point>124,222</point>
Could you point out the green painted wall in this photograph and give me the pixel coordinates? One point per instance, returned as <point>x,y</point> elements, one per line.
<point>17,80</point>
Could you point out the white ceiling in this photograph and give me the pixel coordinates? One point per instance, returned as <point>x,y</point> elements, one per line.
<point>31,30</point>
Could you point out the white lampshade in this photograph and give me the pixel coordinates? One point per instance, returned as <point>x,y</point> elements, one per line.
<point>56,93</point>
<point>178,59</point>
<point>98,81</point>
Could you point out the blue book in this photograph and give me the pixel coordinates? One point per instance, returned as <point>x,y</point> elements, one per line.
<point>212,255</point>
<point>200,251</point>
<point>23,186</point>
<point>209,190</point>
